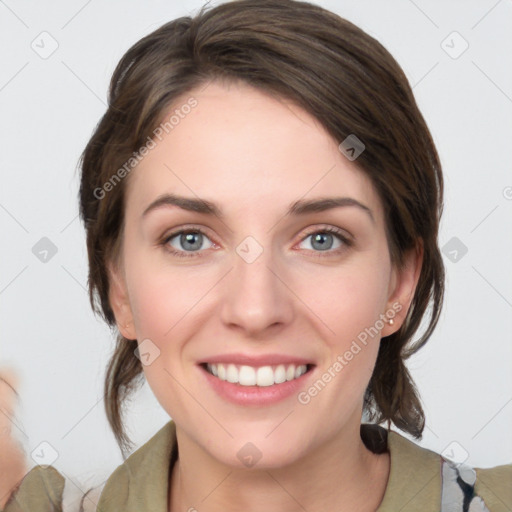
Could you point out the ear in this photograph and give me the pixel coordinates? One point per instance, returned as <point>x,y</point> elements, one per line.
<point>402,287</point>
<point>119,302</point>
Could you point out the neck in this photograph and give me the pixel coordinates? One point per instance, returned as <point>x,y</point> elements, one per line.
<point>341,474</point>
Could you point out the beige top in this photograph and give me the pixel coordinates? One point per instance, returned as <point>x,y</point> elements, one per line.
<point>140,484</point>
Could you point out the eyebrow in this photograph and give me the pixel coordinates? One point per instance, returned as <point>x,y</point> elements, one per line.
<point>300,207</point>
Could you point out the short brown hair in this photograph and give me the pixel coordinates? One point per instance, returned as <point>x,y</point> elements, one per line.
<point>339,74</point>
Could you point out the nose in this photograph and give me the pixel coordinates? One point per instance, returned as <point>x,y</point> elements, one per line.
<point>256,297</point>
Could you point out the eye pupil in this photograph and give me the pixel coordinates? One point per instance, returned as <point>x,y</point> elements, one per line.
<point>189,238</point>
<point>320,237</point>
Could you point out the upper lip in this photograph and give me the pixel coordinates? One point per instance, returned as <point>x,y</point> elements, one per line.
<point>256,360</point>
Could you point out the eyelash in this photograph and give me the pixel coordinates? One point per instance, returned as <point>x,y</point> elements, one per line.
<point>183,254</point>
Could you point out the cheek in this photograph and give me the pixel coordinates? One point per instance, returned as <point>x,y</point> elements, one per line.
<point>162,302</point>
<point>161,295</point>
<point>150,303</point>
<point>349,299</point>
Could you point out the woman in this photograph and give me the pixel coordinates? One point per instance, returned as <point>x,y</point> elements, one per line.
<point>285,145</point>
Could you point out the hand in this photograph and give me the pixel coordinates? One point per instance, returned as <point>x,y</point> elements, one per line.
<point>13,466</point>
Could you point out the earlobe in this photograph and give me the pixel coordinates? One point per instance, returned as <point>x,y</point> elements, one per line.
<point>403,287</point>
<point>119,302</point>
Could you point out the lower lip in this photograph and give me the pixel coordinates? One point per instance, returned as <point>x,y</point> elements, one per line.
<point>255,395</point>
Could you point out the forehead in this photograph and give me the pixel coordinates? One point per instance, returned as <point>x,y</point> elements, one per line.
<point>244,149</point>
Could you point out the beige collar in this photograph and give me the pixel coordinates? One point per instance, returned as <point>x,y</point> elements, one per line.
<point>414,483</point>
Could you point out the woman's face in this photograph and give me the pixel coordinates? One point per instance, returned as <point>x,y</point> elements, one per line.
<point>266,291</point>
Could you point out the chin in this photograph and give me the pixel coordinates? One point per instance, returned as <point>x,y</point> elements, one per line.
<point>259,453</point>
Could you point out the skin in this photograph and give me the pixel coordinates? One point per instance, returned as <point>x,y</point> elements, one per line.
<point>13,465</point>
<point>253,155</point>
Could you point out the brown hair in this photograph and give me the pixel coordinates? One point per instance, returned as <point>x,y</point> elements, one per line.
<point>336,72</point>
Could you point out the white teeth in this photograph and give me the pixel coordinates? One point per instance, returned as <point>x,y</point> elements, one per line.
<point>262,376</point>
<point>247,376</point>
<point>265,376</point>
<point>232,374</point>
<point>279,374</point>
<point>221,369</point>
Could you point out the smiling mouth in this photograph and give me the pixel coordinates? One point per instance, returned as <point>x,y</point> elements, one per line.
<point>261,376</point>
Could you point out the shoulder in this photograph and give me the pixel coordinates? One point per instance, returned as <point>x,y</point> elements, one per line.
<point>141,482</point>
<point>414,482</point>
<point>40,481</point>
<point>423,480</point>
<point>476,489</point>
<point>44,488</point>
<point>494,485</point>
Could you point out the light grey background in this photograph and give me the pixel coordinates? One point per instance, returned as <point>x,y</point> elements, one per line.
<point>49,107</point>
